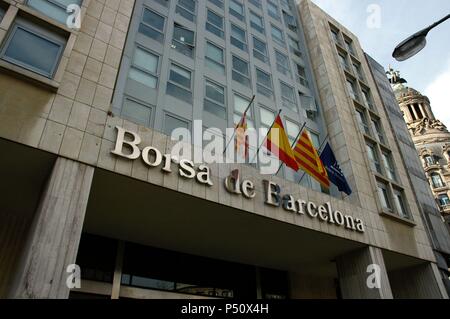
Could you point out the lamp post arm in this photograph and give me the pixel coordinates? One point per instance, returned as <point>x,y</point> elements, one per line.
<point>434,25</point>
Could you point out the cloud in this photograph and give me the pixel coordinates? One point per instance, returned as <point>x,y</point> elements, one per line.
<point>438,91</point>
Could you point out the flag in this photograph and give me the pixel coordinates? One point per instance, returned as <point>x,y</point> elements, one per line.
<point>334,170</point>
<point>241,137</point>
<point>309,161</point>
<point>277,142</point>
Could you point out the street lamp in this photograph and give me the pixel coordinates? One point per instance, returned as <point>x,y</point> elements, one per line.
<point>415,43</point>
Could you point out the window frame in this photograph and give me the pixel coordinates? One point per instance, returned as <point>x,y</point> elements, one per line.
<point>56,4</point>
<point>274,15</point>
<point>214,26</point>
<point>211,60</point>
<point>234,13</point>
<point>233,71</point>
<point>178,85</point>
<point>264,87</point>
<point>140,69</point>
<point>259,28</point>
<point>287,103</point>
<point>216,103</point>
<point>282,41</point>
<point>283,69</point>
<point>180,7</point>
<point>244,44</point>
<point>258,52</point>
<point>38,31</point>
<point>161,32</point>
<point>184,44</point>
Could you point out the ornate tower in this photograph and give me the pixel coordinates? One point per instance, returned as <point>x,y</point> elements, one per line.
<point>431,137</point>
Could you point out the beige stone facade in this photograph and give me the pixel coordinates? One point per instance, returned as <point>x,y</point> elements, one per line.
<point>431,138</point>
<point>68,120</point>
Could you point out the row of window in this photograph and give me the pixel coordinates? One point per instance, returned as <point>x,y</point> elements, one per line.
<point>391,197</point>
<point>145,65</point>
<point>153,26</point>
<point>214,103</point>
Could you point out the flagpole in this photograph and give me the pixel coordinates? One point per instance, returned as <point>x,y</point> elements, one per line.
<point>320,151</point>
<point>234,133</point>
<point>268,132</point>
<point>295,142</point>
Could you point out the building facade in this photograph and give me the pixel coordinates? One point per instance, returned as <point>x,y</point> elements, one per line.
<point>438,231</point>
<point>82,111</point>
<point>430,136</point>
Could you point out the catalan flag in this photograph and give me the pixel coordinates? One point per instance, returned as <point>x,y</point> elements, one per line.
<point>277,142</point>
<point>241,137</point>
<point>309,161</point>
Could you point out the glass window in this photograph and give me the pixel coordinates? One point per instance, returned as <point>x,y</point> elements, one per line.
<point>292,131</point>
<point>444,200</point>
<point>362,121</point>
<point>286,4</point>
<point>290,21</point>
<point>373,158</point>
<point>295,46</point>
<point>379,135</point>
<point>144,68</point>
<point>277,35</point>
<point>256,3</point>
<point>214,58</point>
<point>358,71</point>
<point>256,22</point>
<point>34,49</point>
<point>152,25</point>
<point>164,3</point>
<point>429,160</point>
<point>343,61</point>
<point>187,9</point>
<point>264,81</point>
<point>400,205</point>
<point>282,63</point>
<point>180,83</point>
<point>218,3</point>
<point>335,35</point>
<point>241,72</point>
<point>237,10</point>
<point>214,24</point>
<point>352,90</point>
<point>383,194</point>
<point>238,38</point>
<point>240,105</point>
<point>215,99</point>
<point>349,46</point>
<point>183,40</point>
<point>301,76</point>
<point>272,9</point>
<point>436,180</point>
<point>389,166</point>
<point>367,98</point>
<point>172,123</point>
<point>288,97</point>
<point>137,112</point>
<point>260,50</point>
<point>55,9</point>
<point>267,117</point>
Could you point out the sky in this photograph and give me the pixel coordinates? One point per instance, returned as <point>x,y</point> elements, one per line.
<point>427,72</point>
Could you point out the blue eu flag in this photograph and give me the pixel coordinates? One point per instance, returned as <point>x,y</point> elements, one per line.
<point>334,171</point>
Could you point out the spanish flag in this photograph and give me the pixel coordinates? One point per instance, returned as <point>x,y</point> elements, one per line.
<point>277,142</point>
<point>241,137</point>
<point>309,161</point>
